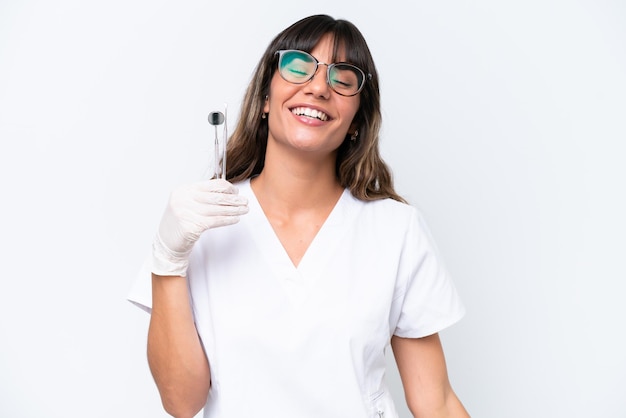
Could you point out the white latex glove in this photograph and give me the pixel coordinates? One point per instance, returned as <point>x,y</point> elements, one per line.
<point>192,209</point>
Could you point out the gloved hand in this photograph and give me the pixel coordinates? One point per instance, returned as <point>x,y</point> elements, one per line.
<point>191,210</point>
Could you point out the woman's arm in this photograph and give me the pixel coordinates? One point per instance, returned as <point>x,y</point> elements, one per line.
<point>177,360</point>
<point>424,375</point>
<point>175,354</point>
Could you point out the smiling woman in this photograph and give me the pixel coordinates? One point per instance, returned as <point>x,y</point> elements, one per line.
<point>292,110</point>
<point>271,294</point>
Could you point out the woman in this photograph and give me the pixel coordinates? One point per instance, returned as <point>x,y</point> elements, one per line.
<point>287,310</point>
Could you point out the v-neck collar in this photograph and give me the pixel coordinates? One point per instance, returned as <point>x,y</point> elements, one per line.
<point>320,247</point>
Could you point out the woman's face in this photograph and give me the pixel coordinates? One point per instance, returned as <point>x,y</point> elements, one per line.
<point>310,117</point>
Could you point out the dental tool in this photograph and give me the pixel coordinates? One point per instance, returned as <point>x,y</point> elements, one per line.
<point>215,119</point>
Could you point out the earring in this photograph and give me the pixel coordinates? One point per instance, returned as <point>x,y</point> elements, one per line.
<point>354,136</point>
<point>264,115</point>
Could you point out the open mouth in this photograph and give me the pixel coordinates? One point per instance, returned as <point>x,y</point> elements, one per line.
<point>310,113</point>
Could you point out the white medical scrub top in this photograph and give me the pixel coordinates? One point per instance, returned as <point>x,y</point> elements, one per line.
<point>309,341</point>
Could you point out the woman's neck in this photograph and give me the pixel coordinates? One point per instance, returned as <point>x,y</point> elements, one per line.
<point>297,183</point>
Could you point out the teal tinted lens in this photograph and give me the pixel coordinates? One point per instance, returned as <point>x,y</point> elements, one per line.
<point>345,79</point>
<point>296,66</point>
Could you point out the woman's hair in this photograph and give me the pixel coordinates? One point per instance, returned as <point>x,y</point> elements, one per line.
<point>360,167</point>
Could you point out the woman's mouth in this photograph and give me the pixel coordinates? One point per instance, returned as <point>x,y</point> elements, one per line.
<point>310,113</point>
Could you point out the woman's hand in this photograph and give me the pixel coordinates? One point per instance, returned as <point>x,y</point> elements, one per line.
<point>191,210</point>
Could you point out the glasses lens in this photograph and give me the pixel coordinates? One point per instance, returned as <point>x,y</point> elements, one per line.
<point>296,66</point>
<point>345,79</point>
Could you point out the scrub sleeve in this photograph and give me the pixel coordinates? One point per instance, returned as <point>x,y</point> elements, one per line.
<point>429,301</point>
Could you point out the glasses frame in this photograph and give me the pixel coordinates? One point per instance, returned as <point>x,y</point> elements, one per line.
<point>329,67</point>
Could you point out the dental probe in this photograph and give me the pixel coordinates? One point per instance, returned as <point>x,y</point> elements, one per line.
<point>218,118</point>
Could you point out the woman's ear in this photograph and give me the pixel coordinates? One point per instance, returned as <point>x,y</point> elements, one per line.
<point>353,127</point>
<point>266,105</point>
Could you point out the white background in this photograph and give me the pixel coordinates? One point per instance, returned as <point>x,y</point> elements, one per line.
<point>504,123</point>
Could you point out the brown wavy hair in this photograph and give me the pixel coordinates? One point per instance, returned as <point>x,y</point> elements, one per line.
<point>360,167</point>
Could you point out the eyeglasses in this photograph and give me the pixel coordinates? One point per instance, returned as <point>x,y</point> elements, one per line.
<point>298,67</point>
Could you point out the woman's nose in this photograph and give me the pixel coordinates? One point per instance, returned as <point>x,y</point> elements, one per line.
<point>318,85</point>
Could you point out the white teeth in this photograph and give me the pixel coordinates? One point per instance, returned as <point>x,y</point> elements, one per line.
<point>312,113</point>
